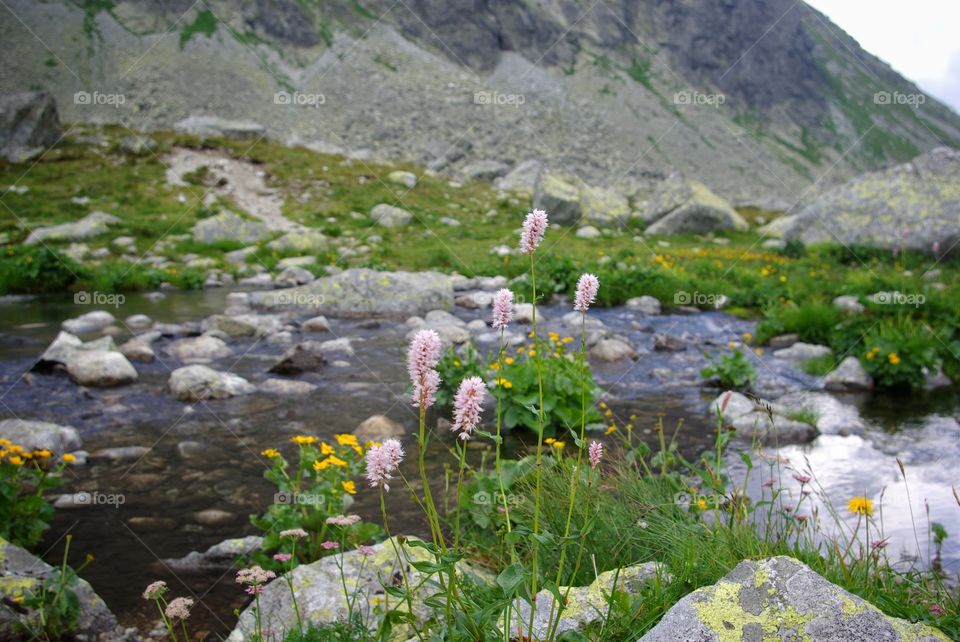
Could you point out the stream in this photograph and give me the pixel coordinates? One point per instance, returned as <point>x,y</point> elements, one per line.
<point>164,490</point>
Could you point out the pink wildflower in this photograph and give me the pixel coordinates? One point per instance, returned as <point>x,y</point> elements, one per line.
<point>422,359</point>
<point>155,590</point>
<point>282,557</point>
<point>467,405</point>
<point>343,520</point>
<point>596,453</point>
<point>366,550</point>
<point>502,308</point>
<point>293,532</point>
<point>936,247</point>
<point>587,288</point>
<point>254,575</point>
<point>803,479</point>
<point>330,545</point>
<point>767,484</point>
<point>937,611</point>
<point>534,227</point>
<point>179,608</point>
<point>382,461</point>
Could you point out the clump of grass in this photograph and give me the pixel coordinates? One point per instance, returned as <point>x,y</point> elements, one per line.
<point>819,366</point>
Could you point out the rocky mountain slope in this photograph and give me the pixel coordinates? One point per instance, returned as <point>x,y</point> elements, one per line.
<point>758,99</point>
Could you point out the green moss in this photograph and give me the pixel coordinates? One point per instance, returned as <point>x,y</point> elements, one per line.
<point>205,23</point>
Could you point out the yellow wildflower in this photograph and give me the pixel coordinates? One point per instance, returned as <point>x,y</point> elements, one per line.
<point>372,444</point>
<point>326,449</point>
<point>509,361</point>
<point>16,460</point>
<point>505,383</point>
<point>350,486</point>
<point>303,439</point>
<point>566,340</point>
<point>456,363</point>
<point>41,453</point>
<point>701,503</point>
<point>494,366</point>
<point>860,506</point>
<point>732,345</point>
<point>894,358</point>
<point>269,453</point>
<point>610,430</point>
<point>69,458</point>
<point>549,440</point>
<point>533,353</point>
<point>346,440</point>
<point>559,445</point>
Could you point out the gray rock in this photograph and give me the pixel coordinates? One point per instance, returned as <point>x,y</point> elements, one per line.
<point>214,517</point>
<point>120,453</point>
<point>668,343</point>
<point>378,428</point>
<point>304,240</point>
<point>306,356</point>
<point>200,349</point>
<point>215,127</point>
<point>559,198</point>
<point>196,382</point>
<point>40,435</point>
<point>89,322</point>
<point>219,557</point>
<point>645,304</point>
<point>360,293</point>
<point>89,226</point>
<point>604,207</point>
<point>761,420</point>
<point>286,387</point>
<point>484,170</point>
<point>316,324</point>
<point>833,417</point>
<point>522,178</point>
<point>849,377</point>
<point>780,594</point>
<point>100,368</point>
<point>230,326</point>
<point>138,146</point>
<point>588,232</point>
<point>613,350</point>
<point>783,341</point>
<point>912,205</point>
<point>296,261</point>
<point>523,313</point>
<point>801,351</point>
<point>407,179</point>
<point>29,124</point>
<point>683,206</point>
<point>22,572</point>
<point>227,226</point>
<point>138,350</point>
<point>293,276</point>
<point>390,216</point>
<point>138,321</point>
<point>58,351</point>
<point>848,303</point>
<point>475,300</point>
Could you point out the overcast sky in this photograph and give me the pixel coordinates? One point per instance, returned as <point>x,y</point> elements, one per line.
<point>919,38</point>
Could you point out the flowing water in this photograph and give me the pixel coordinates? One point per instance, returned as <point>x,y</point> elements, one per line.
<point>163,490</point>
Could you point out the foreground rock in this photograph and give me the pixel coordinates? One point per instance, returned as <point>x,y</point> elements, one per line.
<point>361,293</point>
<point>219,557</point>
<point>29,123</point>
<point>21,573</point>
<point>681,206</point>
<point>197,383</point>
<point>89,226</point>
<point>40,435</point>
<point>849,377</point>
<point>100,368</point>
<point>783,599</point>
<point>912,205</point>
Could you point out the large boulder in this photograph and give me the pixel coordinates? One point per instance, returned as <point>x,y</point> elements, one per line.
<point>912,205</point>
<point>522,178</point>
<point>378,428</point>
<point>29,123</point>
<point>485,170</point>
<point>849,376</point>
<point>227,226</point>
<point>196,382</point>
<point>40,435</point>
<point>305,240</point>
<point>361,292</point>
<point>219,557</point>
<point>22,573</point>
<point>100,368</point>
<point>604,207</point>
<point>215,127</point>
<point>768,423</point>
<point>681,206</point>
<point>64,345</point>
<point>89,226</point>
<point>783,599</point>
<point>559,198</point>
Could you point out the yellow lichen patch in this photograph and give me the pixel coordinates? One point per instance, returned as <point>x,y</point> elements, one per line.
<point>721,612</point>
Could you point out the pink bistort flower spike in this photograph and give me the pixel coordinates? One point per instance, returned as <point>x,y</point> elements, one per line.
<point>534,227</point>
<point>382,461</point>
<point>587,288</point>
<point>596,453</point>
<point>502,309</point>
<point>467,405</point>
<point>422,359</point>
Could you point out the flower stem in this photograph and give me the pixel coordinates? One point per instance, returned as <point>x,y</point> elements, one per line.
<point>539,465</point>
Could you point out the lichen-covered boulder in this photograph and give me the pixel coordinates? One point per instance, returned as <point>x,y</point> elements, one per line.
<point>29,123</point>
<point>914,205</point>
<point>22,573</point>
<point>360,293</point>
<point>196,382</point>
<point>559,198</point>
<point>91,225</point>
<point>780,598</point>
<point>227,226</point>
<point>682,206</point>
<point>604,207</point>
<point>40,435</point>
